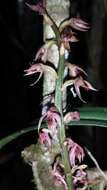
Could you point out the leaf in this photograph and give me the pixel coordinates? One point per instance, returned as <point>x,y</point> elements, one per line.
<point>4,141</point>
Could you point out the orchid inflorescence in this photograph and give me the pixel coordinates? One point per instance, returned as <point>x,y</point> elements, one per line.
<point>52,115</point>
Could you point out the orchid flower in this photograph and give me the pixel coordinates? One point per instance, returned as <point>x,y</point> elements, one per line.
<point>78,82</point>
<point>80,179</point>
<point>37,7</point>
<point>45,137</point>
<point>68,36</point>
<point>43,51</point>
<point>75,23</point>
<point>58,177</point>
<point>71,116</point>
<point>40,68</point>
<point>74,70</point>
<point>75,151</point>
<point>52,117</point>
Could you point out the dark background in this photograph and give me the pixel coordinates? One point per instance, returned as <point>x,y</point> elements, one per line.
<point>21,33</point>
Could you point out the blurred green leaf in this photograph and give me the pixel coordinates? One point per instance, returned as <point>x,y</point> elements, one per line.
<point>13,136</point>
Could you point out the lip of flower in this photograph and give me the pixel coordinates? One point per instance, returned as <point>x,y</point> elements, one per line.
<point>40,68</point>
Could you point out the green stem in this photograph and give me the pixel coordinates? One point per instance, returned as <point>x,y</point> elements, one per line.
<point>58,104</point>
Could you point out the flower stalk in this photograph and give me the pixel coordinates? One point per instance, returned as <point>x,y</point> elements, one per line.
<point>58,104</point>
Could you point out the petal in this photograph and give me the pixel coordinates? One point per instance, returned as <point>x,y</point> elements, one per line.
<point>67,83</point>
<point>35,68</point>
<point>75,23</point>
<point>43,51</point>
<point>37,8</point>
<point>71,116</point>
<point>37,79</point>
<point>89,86</point>
<point>49,69</point>
<point>79,24</point>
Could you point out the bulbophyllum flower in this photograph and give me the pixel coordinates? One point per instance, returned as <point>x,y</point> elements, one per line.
<point>78,83</point>
<point>52,117</point>
<point>45,137</point>
<point>43,51</point>
<point>37,7</point>
<point>71,116</point>
<point>58,177</point>
<point>76,152</point>
<point>40,68</point>
<point>75,23</point>
<point>74,70</point>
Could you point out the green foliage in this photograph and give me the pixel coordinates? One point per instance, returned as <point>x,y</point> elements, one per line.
<point>89,116</point>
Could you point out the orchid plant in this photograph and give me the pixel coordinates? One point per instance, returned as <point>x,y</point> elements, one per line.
<point>56,160</point>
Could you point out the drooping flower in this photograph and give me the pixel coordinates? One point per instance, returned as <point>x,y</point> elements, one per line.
<point>40,68</point>
<point>45,137</point>
<point>52,117</point>
<point>75,23</point>
<point>74,70</point>
<point>68,36</point>
<point>44,50</point>
<point>76,152</point>
<point>58,177</point>
<point>78,83</point>
<point>37,7</point>
<point>80,177</point>
<point>71,116</point>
